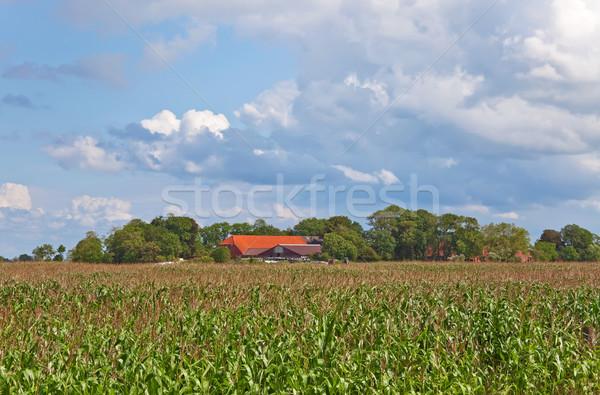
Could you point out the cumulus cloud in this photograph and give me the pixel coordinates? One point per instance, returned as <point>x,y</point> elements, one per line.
<point>192,124</point>
<point>568,47</point>
<point>165,123</point>
<point>84,153</point>
<point>90,210</point>
<point>273,108</point>
<point>15,196</point>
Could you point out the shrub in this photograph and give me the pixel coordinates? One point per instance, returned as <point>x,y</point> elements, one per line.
<point>221,254</point>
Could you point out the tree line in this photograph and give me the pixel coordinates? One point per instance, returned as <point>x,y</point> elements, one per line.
<point>394,233</point>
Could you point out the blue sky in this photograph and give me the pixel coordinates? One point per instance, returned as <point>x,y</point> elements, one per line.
<point>112,110</point>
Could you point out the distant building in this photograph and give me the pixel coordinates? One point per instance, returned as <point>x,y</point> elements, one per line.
<point>271,246</point>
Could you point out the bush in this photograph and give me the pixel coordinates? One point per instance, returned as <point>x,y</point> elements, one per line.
<point>221,254</point>
<point>458,258</point>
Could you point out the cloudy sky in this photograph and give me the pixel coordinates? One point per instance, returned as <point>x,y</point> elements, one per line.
<point>114,109</point>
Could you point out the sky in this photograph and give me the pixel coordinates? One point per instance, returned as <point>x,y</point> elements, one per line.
<point>236,110</point>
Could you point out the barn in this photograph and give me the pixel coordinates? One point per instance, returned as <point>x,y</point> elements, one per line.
<point>271,246</point>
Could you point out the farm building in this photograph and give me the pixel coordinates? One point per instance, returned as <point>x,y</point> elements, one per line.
<point>271,246</point>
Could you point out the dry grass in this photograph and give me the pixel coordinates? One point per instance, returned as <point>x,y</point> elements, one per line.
<point>556,275</point>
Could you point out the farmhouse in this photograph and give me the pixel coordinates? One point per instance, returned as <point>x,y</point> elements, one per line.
<point>271,246</point>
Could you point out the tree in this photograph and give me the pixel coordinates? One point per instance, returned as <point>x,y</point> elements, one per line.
<point>338,247</point>
<point>88,250</point>
<point>592,253</point>
<point>44,252</point>
<point>24,258</point>
<point>552,236</point>
<point>505,240</point>
<point>261,228</point>
<point>60,253</point>
<point>383,242</point>
<point>185,228</point>
<point>211,236</point>
<point>310,227</point>
<point>578,237</point>
<point>241,228</point>
<point>221,254</point>
<point>2,259</point>
<point>469,239</point>
<point>569,254</point>
<point>340,224</point>
<point>544,251</point>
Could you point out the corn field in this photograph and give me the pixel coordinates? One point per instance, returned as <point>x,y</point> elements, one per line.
<point>302,328</point>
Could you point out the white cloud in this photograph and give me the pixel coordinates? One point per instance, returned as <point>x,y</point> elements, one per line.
<point>387,177</point>
<point>195,123</point>
<point>165,123</point>
<point>356,175</point>
<point>273,108</point>
<point>192,124</point>
<point>85,154</point>
<point>90,210</point>
<point>510,215</point>
<point>379,94</point>
<point>15,196</point>
<point>568,47</point>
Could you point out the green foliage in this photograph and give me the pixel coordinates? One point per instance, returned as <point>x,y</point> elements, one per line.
<point>25,258</point>
<point>261,228</point>
<point>105,337</point>
<point>383,242</point>
<point>577,237</point>
<point>211,236</point>
<point>505,240</point>
<point>552,236</point>
<point>569,254</point>
<point>60,253</point>
<point>544,251</point>
<point>221,254</point>
<point>185,229</point>
<point>310,227</point>
<point>44,252</point>
<point>338,247</point>
<point>88,250</point>
<point>592,253</point>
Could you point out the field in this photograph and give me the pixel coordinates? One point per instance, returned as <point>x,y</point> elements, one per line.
<point>360,328</point>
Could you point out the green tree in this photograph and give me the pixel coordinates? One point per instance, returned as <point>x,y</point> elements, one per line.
<point>125,245</point>
<point>552,236</point>
<point>60,253</point>
<point>261,228</point>
<point>241,228</point>
<point>578,237</point>
<point>469,239</point>
<point>338,247</point>
<point>569,254</point>
<point>545,251</point>
<point>24,258</point>
<point>211,236</point>
<point>310,227</point>
<point>169,245</point>
<point>88,250</point>
<point>221,254</point>
<point>2,259</point>
<point>383,242</point>
<point>505,240</point>
<point>592,253</point>
<point>44,252</point>
<point>185,228</point>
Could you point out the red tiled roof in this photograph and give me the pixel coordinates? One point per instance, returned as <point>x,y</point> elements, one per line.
<point>244,242</point>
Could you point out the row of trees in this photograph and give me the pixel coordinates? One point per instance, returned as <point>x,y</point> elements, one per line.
<point>394,234</point>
